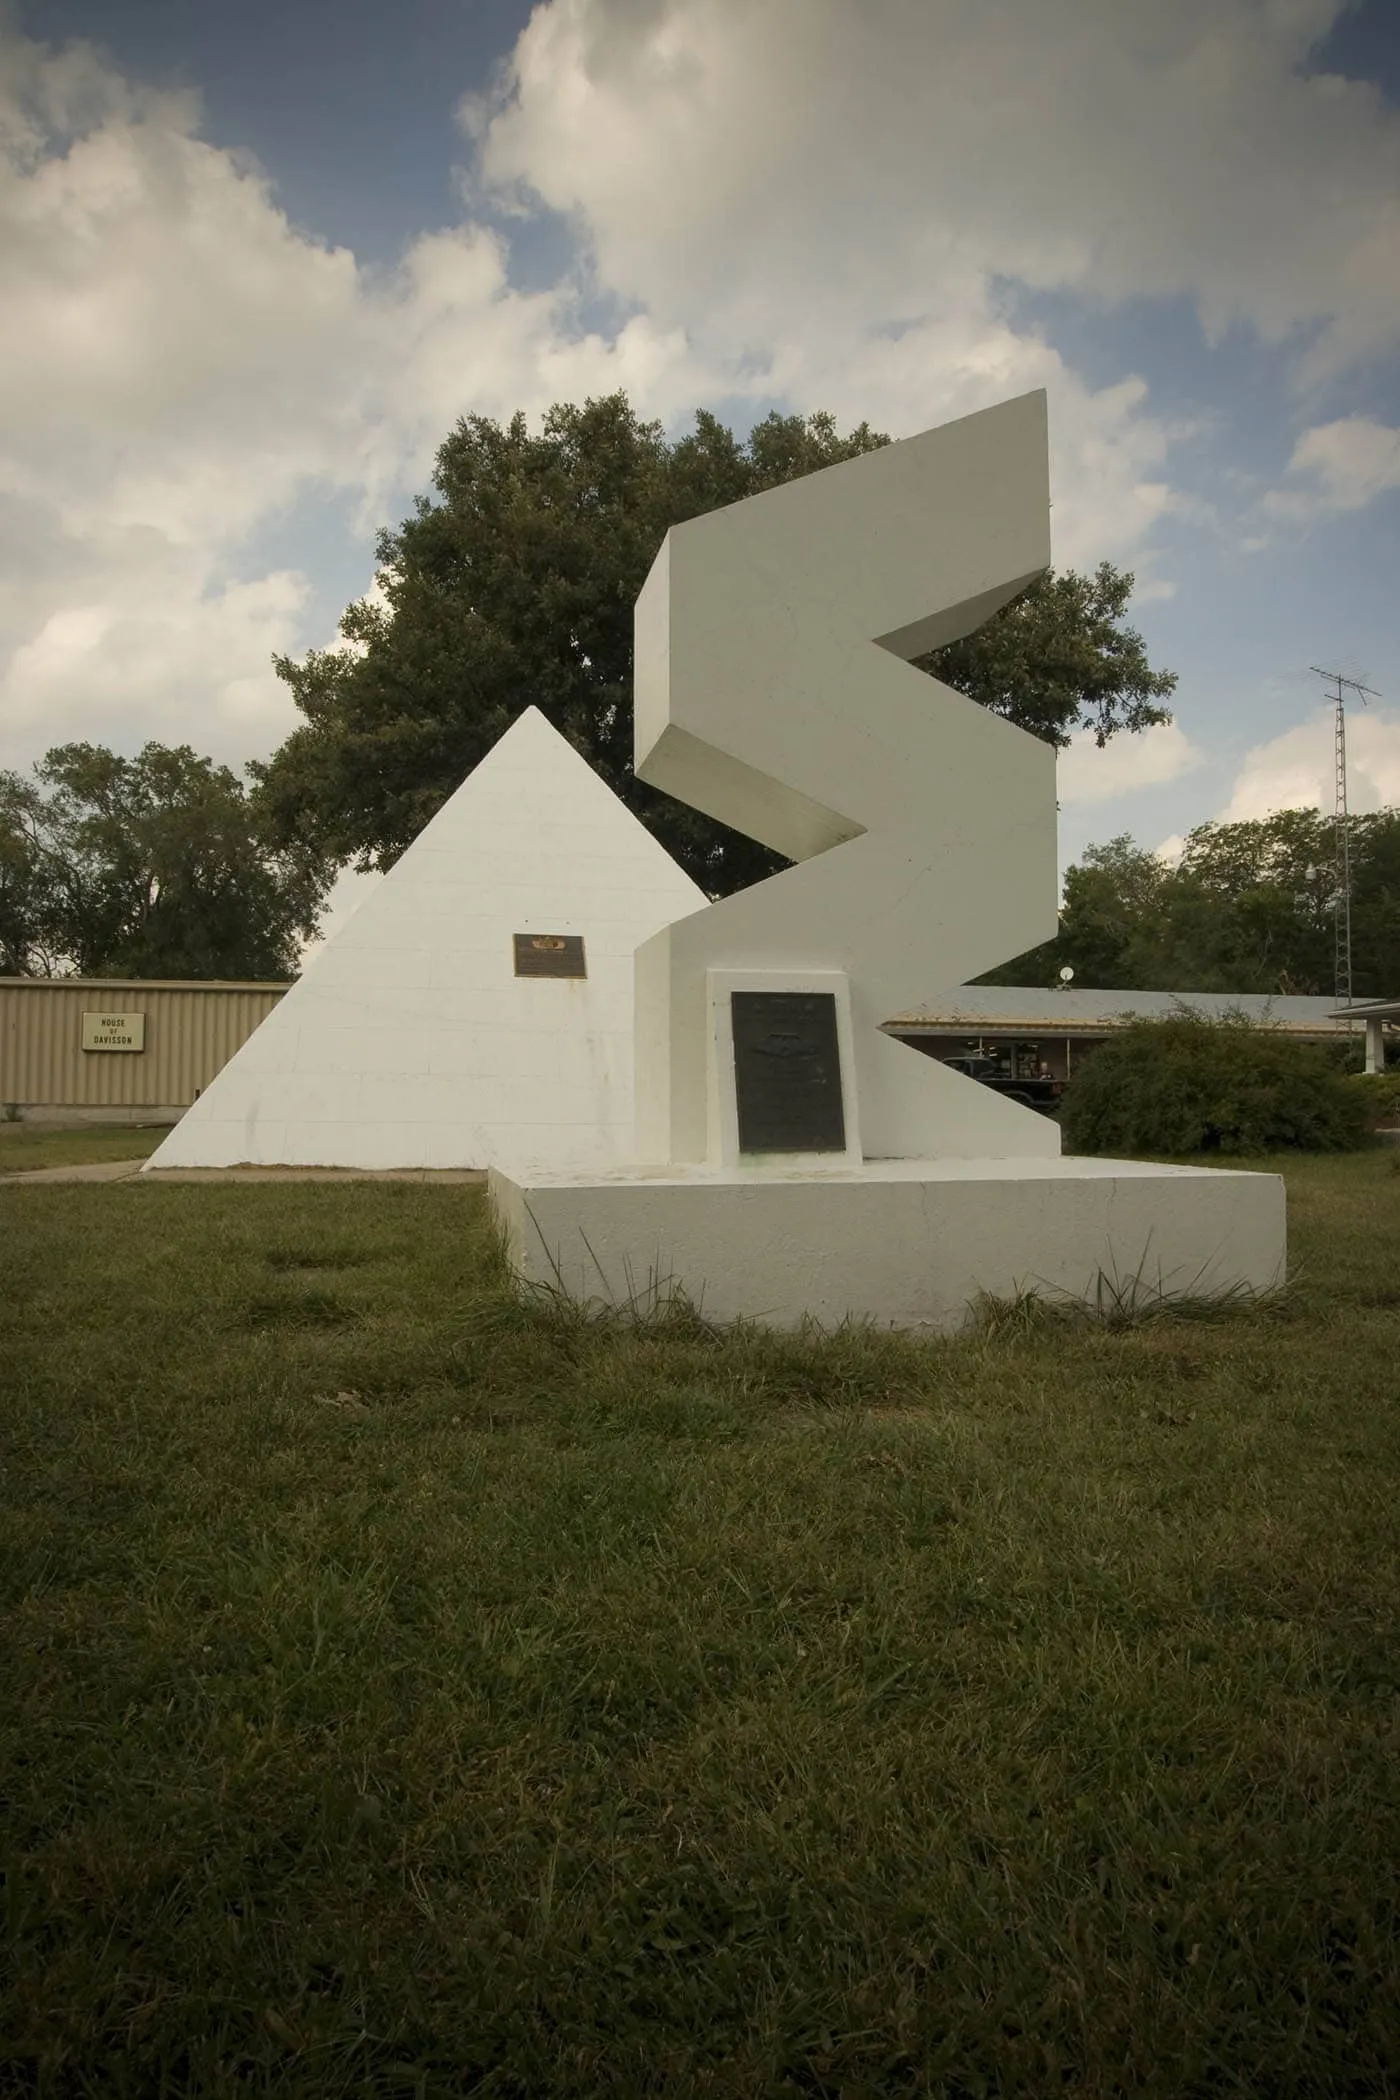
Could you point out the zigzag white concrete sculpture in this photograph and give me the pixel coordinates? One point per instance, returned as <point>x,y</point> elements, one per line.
<point>770,693</point>
<point>410,1042</point>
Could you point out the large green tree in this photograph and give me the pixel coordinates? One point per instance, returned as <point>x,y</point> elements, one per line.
<point>515,586</point>
<point>154,866</point>
<point>1250,907</point>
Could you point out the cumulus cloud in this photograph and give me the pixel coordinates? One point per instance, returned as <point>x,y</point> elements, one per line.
<point>178,367</point>
<point>1335,467</point>
<point>213,690</point>
<point>1085,774</point>
<point>165,334</point>
<point>888,158</point>
<point>690,144</point>
<point>821,202</point>
<point>1295,770</point>
<point>447,334</point>
<point>1081,145</point>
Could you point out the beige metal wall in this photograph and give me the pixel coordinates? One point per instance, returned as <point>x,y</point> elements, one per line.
<point>192,1030</point>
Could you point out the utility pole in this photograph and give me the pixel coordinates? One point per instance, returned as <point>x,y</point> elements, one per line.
<point>1342,913</point>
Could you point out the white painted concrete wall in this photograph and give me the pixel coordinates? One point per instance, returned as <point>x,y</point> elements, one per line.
<point>906,1244</point>
<point>410,1042</point>
<point>770,693</point>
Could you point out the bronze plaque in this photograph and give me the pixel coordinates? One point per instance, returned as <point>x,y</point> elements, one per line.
<point>549,955</point>
<point>787,1072</point>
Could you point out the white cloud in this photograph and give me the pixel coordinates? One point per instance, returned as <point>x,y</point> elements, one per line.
<point>1336,467</point>
<point>166,332</point>
<point>814,201</point>
<point>1106,149</point>
<point>1107,455</point>
<point>215,688</point>
<point>162,391</point>
<point>1085,774</point>
<point>691,143</point>
<point>178,367</point>
<point>884,158</point>
<point>446,334</point>
<point>1295,770</point>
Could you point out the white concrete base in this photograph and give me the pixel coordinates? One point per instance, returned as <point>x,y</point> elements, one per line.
<point>902,1243</point>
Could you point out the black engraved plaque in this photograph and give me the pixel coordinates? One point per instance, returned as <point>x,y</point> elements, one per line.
<point>549,955</point>
<point>787,1072</point>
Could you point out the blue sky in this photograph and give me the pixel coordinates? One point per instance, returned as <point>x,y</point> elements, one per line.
<point>256,261</point>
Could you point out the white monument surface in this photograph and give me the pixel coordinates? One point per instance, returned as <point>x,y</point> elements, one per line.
<point>411,1041</point>
<point>790,1159</point>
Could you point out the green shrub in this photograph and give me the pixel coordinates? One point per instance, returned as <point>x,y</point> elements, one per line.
<point>1187,1083</point>
<point>1348,1054</point>
<point>1381,1093</point>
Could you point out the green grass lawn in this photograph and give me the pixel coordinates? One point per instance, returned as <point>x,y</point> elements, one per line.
<point>25,1146</point>
<point>407,1692</point>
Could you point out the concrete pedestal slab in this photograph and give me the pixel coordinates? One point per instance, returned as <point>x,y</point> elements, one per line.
<point>901,1243</point>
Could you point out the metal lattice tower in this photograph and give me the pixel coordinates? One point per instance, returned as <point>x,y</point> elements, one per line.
<point>1342,909</point>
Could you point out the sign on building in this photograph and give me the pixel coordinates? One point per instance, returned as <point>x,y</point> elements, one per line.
<point>114,1031</point>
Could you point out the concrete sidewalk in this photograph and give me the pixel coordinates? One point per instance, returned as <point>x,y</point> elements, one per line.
<point>130,1170</point>
<point>109,1170</point>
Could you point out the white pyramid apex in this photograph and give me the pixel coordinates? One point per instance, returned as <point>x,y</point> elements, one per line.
<point>408,1040</point>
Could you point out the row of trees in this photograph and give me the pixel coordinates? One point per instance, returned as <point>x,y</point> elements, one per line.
<point>1250,907</point>
<point>165,866</point>
<point>156,866</point>
<point>514,585</point>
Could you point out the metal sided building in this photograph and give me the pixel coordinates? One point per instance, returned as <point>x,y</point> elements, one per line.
<point>118,1050</point>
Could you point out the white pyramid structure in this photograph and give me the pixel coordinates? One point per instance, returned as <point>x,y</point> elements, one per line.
<point>409,1040</point>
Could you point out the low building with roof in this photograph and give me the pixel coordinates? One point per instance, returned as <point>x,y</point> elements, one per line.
<point>1022,1039</point>
<point>1027,1036</point>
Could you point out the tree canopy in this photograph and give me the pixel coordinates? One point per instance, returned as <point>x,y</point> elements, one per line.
<point>153,866</point>
<point>1250,907</point>
<point>515,587</point>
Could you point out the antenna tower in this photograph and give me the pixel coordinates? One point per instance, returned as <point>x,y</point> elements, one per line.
<point>1342,910</point>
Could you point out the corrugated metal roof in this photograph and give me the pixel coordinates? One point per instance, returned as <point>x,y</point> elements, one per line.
<point>161,984</point>
<point>968,1007</point>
